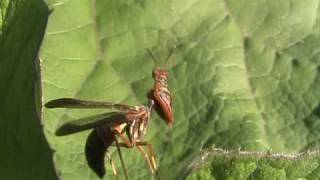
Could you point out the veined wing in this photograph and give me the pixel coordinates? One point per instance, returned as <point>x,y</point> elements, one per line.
<point>78,104</point>
<point>78,125</point>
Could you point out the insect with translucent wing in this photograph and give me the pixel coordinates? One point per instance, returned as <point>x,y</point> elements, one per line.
<point>160,92</point>
<point>129,120</point>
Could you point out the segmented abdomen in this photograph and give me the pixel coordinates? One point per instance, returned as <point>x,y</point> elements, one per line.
<point>163,98</point>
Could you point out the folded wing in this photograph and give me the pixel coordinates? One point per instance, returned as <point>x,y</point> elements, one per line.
<point>82,124</point>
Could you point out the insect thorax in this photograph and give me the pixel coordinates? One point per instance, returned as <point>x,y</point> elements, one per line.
<point>138,123</point>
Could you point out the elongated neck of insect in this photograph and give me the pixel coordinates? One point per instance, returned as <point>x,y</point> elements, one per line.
<point>163,82</point>
<point>151,104</point>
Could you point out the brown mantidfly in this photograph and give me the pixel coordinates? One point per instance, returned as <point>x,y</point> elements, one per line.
<point>129,120</point>
<point>160,92</point>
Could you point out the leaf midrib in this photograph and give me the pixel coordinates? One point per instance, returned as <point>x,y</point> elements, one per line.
<point>250,87</point>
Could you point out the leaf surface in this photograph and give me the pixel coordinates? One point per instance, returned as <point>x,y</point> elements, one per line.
<point>246,75</point>
<point>221,164</point>
<point>24,152</point>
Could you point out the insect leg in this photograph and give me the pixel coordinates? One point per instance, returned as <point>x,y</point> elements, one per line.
<point>114,170</point>
<point>151,153</point>
<point>121,159</point>
<point>146,158</point>
<point>149,157</point>
<point>126,143</point>
<point>152,156</point>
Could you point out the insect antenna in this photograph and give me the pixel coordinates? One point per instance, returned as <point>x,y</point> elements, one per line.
<point>169,55</point>
<point>171,52</point>
<point>156,60</point>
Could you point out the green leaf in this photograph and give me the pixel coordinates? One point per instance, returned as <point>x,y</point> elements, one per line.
<point>246,76</point>
<point>24,152</point>
<point>3,9</point>
<point>220,164</point>
<point>3,13</point>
